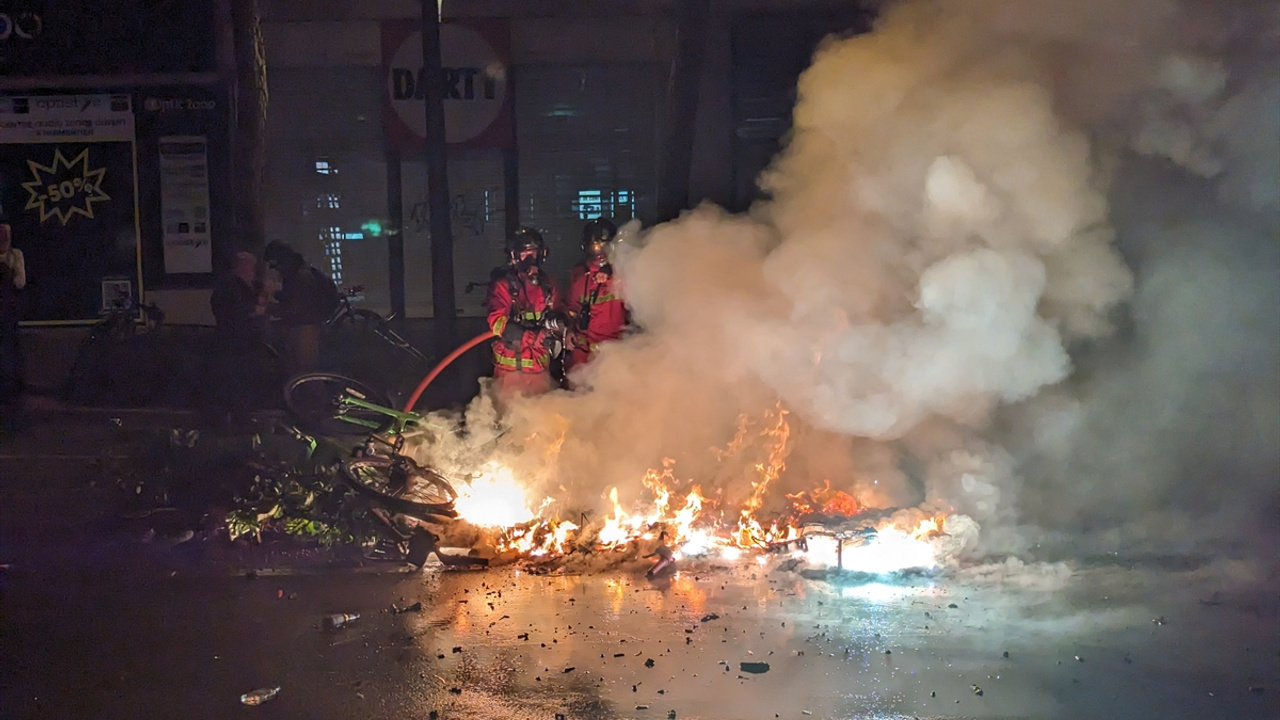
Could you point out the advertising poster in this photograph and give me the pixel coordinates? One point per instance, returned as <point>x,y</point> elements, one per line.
<point>184,204</point>
<point>67,188</point>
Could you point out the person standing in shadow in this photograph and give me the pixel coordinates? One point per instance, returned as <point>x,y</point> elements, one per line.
<point>13,278</point>
<point>240,312</point>
<point>307,299</point>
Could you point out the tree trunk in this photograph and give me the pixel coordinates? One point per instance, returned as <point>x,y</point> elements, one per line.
<point>249,139</point>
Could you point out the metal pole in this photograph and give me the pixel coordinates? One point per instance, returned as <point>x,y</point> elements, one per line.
<point>395,232</point>
<point>443,298</point>
<point>675,157</point>
<point>511,169</point>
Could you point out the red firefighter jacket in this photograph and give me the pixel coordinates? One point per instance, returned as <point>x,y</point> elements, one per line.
<point>517,306</point>
<point>593,295</point>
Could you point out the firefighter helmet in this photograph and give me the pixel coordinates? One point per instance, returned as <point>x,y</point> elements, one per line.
<point>524,239</point>
<point>596,236</point>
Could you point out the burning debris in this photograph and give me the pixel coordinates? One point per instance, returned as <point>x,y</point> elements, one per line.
<point>823,527</point>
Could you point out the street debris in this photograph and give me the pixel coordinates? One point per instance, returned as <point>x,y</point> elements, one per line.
<point>709,617</point>
<point>337,620</point>
<point>414,608</point>
<point>753,667</point>
<point>665,557</point>
<point>977,690</point>
<point>259,696</point>
<point>788,565</point>
<point>457,649</point>
<point>649,663</point>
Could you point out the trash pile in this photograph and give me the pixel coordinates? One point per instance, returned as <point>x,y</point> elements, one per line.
<point>313,504</point>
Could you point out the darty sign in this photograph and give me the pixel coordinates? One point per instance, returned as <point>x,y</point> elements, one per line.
<point>477,93</point>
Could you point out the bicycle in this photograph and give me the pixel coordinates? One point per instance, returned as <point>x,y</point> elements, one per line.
<point>334,406</point>
<point>365,322</point>
<point>108,359</point>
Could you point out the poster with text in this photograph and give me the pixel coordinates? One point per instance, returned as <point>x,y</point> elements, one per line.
<point>67,189</point>
<point>184,204</point>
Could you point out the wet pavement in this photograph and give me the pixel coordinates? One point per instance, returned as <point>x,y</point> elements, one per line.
<point>1109,642</point>
<point>97,624</point>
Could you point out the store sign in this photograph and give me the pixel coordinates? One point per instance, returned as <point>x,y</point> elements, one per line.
<point>20,26</point>
<point>477,93</point>
<point>66,118</point>
<point>40,38</point>
<point>184,204</point>
<point>67,188</point>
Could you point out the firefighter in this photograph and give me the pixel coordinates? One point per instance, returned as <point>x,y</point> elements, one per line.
<point>522,304</point>
<point>596,310</point>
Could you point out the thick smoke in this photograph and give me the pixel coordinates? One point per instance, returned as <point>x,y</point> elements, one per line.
<point>1019,262</point>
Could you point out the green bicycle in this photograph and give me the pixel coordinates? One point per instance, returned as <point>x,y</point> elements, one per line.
<point>335,407</point>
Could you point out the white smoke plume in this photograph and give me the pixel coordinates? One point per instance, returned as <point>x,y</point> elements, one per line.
<point>975,196</point>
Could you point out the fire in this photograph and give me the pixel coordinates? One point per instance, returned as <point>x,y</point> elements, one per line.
<point>494,498</point>
<point>677,516</point>
<point>891,550</point>
<point>749,530</point>
<point>825,501</point>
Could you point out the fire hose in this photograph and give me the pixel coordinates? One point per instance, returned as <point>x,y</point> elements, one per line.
<point>439,368</point>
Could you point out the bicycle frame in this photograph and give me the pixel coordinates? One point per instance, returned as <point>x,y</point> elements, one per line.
<point>381,328</point>
<point>402,420</point>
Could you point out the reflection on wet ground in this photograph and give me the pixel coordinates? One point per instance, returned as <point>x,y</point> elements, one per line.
<point>1006,641</point>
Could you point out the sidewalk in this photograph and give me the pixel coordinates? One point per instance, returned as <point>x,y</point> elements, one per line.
<point>68,480</point>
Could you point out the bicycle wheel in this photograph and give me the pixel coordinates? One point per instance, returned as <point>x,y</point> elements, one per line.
<point>313,400</point>
<point>404,486</point>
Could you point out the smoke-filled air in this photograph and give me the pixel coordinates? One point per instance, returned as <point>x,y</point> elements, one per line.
<point>1019,266</point>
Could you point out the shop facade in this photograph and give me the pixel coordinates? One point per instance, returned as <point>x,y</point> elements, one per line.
<point>114,151</point>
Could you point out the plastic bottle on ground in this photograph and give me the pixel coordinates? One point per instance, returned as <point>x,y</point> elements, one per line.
<point>259,696</point>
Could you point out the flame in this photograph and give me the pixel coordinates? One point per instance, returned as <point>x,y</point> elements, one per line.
<point>892,549</point>
<point>494,498</point>
<point>825,501</point>
<point>675,514</point>
<point>749,530</point>
<point>841,503</point>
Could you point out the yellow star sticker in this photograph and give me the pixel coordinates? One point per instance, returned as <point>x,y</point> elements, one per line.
<point>65,188</point>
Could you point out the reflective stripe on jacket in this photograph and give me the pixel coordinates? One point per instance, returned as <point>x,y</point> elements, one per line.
<point>516,299</point>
